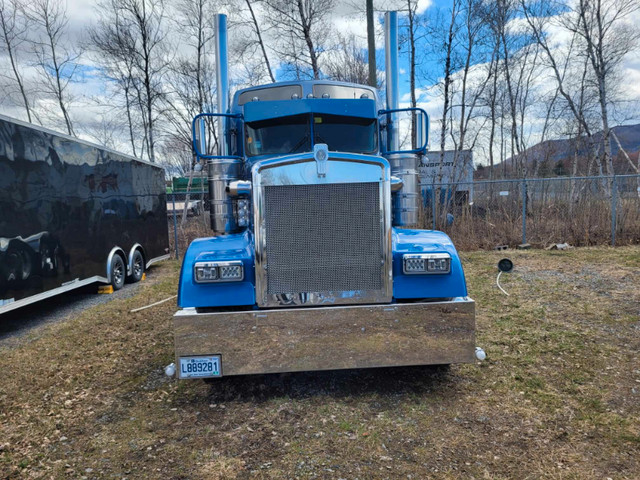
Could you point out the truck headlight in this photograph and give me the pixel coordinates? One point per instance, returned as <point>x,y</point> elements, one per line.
<point>426,263</point>
<point>209,272</point>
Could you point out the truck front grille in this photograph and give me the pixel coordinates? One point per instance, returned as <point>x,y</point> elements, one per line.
<point>323,238</point>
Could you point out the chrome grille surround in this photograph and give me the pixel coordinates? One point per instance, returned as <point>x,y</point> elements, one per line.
<point>322,240</point>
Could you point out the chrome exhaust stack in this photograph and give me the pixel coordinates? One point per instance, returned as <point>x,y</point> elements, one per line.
<point>391,77</point>
<point>404,166</point>
<point>222,171</point>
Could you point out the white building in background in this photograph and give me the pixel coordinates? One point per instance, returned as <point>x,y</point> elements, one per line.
<point>455,174</point>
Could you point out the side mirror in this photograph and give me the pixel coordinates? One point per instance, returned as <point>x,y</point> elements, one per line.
<point>203,127</point>
<point>422,130</point>
<point>421,119</point>
<point>211,132</point>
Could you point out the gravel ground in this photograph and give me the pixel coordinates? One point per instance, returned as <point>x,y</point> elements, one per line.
<point>27,323</point>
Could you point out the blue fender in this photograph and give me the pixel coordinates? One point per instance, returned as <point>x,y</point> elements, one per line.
<point>448,285</point>
<point>223,294</point>
<point>241,247</point>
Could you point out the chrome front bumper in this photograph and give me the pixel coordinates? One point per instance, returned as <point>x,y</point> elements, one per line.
<point>328,338</point>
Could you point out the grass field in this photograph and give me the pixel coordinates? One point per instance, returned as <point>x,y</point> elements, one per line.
<point>558,397</point>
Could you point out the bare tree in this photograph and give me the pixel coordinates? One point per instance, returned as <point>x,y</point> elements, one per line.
<point>302,26</point>
<point>111,43</point>
<point>177,159</point>
<point>189,82</point>
<point>347,62</point>
<point>564,71</point>
<point>464,48</point>
<point>248,46</point>
<point>601,37</point>
<point>13,29</point>
<point>259,40</point>
<point>526,63</point>
<point>448,39</point>
<point>471,89</point>
<point>491,102</point>
<point>57,61</point>
<point>600,23</point>
<point>105,130</point>
<point>505,12</point>
<point>136,29</point>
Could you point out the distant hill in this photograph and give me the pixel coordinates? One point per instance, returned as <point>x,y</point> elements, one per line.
<point>555,156</point>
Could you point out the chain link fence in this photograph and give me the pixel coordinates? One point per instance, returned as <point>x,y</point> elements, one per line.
<point>188,217</point>
<point>579,211</point>
<point>486,214</point>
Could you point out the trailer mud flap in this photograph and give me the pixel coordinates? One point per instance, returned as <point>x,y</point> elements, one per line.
<point>328,338</point>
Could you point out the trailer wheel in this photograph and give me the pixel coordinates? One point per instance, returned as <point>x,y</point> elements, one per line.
<point>118,272</point>
<point>137,266</point>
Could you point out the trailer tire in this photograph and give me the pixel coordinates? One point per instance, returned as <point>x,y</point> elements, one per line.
<point>137,266</point>
<point>118,272</point>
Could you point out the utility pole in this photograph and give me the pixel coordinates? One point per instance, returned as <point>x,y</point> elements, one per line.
<point>371,39</point>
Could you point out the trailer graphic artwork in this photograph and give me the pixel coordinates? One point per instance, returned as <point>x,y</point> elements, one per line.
<point>453,176</point>
<point>72,213</point>
<point>308,268</point>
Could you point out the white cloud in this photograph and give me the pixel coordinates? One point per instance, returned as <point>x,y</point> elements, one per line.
<point>348,18</point>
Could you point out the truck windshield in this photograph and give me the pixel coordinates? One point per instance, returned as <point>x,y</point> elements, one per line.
<point>345,134</point>
<point>280,136</point>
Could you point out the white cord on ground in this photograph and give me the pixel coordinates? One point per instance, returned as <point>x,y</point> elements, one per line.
<point>498,283</point>
<point>153,304</point>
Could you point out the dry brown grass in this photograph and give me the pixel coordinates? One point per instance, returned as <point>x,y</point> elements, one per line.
<point>194,227</point>
<point>558,397</point>
<point>497,220</point>
<point>588,223</point>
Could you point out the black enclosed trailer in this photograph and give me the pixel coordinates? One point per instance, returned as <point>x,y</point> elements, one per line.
<point>73,213</point>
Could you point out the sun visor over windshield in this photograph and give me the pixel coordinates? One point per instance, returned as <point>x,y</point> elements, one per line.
<point>255,111</point>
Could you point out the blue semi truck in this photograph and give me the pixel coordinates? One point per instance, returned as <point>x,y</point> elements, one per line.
<point>313,264</point>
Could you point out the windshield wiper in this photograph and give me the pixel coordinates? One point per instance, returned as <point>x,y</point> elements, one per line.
<point>300,143</point>
<point>319,139</point>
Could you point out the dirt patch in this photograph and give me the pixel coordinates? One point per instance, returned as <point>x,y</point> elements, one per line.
<point>559,395</point>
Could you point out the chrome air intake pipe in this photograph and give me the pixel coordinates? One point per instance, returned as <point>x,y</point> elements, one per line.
<point>221,172</point>
<point>403,165</point>
<point>405,202</point>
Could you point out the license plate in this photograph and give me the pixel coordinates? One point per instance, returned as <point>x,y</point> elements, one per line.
<point>200,367</point>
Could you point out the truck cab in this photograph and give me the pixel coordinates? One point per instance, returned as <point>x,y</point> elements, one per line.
<point>342,116</point>
<point>316,263</point>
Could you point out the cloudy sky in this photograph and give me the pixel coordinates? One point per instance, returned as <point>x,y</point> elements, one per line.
<point>89,103</point>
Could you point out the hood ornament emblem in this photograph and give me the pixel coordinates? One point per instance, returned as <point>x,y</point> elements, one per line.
<point>321,156</point>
